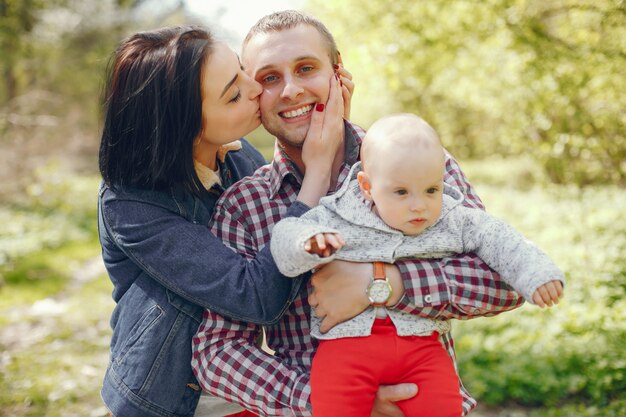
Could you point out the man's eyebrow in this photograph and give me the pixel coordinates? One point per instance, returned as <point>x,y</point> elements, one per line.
<point>228,85</point>
<point>300,58</point>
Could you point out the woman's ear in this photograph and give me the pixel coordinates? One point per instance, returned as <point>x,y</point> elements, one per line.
<point>364,185</point>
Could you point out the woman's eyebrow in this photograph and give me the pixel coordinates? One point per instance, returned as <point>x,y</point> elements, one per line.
<point>231,82</point>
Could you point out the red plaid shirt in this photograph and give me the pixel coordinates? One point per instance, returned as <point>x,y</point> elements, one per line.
<point>226,358</point>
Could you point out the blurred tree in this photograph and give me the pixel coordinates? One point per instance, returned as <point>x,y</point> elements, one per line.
<point>499,76</point>
<point>17,20</point>
<point>53,56</point>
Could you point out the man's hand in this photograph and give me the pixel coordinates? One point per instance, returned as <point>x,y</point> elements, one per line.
<point>339,292</point>
<point>387,395</point>
<point>548,294</point>
<point>324,244</point>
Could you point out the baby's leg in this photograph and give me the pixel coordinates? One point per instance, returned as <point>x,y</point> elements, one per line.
<point>427,364</point>
<point>345,374</point>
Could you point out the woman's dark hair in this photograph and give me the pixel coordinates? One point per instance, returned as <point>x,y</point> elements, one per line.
<point>153,108</point>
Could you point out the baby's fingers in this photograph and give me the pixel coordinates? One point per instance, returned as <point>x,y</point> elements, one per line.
<point>334,240</point>
<point>555,290</point>
<point>321,241</point>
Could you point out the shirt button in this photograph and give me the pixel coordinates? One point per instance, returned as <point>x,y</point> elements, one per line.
<point>428,298</point>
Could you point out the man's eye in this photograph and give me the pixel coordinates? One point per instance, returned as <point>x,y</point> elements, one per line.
<point>306,68</point>
<point>432,190</point>
<point>269,79</point>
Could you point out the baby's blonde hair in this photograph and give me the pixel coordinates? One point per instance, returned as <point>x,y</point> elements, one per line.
<point>393,132</point>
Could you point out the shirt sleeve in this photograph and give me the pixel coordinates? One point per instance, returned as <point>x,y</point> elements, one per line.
<point>461,286</point>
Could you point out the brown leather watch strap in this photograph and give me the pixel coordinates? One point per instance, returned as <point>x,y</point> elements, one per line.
<point>379,270</point>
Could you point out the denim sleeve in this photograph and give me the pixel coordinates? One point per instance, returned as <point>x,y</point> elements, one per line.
<point>190,261</point>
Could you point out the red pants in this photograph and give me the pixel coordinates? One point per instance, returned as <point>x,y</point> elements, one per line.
<point>346,373</point>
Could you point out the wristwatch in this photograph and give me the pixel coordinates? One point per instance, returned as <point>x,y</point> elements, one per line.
<point>379,290</point>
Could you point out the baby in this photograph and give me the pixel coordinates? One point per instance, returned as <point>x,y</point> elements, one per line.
<point>397,205</point>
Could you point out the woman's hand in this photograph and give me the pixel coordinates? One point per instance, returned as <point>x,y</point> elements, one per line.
<point>321,145</point>
<point>347,86</point>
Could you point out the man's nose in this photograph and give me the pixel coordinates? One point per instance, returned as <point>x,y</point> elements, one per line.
<point>291,88</point>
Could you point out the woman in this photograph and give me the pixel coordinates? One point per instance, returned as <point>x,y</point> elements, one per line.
<point>176,101</point>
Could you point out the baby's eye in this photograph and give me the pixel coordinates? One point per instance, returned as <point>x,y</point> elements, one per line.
<point>432,190</point>
<point>401,192</point>
<point>306,68</point>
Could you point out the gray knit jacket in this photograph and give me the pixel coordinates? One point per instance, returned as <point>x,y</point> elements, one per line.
<point>458,230</point>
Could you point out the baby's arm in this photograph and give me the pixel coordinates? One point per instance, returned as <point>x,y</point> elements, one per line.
<point>292,247</point>
<point>520,262</point>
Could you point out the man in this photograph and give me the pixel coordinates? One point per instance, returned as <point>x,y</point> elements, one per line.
<point>292,56</point>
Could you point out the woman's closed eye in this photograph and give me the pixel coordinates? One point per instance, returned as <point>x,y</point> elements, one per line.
<point>236,98</point>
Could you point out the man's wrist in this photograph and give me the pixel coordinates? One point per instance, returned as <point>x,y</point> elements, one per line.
<point>397,286</point>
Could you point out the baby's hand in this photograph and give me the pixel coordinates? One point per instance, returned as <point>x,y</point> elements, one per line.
<point>548,294</point>
<point>324,244</point>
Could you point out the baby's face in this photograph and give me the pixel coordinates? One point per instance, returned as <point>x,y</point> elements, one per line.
<point>407,190</point>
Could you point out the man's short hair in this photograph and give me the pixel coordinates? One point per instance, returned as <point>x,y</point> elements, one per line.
<point>288,19</point>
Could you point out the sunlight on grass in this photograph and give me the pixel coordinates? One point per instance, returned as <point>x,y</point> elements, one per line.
<point>55,305</point>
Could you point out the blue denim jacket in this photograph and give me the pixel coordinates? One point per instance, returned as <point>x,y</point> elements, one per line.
<point>166,268</point>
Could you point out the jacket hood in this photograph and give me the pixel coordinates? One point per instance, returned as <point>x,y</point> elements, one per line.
<point>347,202</point>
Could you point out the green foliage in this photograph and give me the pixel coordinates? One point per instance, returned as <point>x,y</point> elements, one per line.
<point>57,208</point>
<point>53,343</point>
<point>504,77</point>
<point>573,352</point>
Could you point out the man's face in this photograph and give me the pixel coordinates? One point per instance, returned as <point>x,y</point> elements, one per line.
<point>294,68</point>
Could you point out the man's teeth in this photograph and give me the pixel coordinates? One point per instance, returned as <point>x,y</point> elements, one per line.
<point>298,112</point>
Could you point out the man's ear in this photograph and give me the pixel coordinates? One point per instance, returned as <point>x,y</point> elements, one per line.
<point>364,185</point>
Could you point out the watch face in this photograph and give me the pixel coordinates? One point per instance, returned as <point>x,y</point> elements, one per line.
<point>379,291</point>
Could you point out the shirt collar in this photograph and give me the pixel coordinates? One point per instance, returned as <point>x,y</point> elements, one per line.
<point>282,166</point>
<point>206,175</point>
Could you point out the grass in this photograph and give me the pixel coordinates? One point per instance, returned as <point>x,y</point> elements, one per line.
<point>55,304</point>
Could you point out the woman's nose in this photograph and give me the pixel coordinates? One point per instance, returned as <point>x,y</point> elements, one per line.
<point>255,89</point>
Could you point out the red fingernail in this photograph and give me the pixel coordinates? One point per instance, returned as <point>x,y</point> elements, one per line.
<point>319,107</point>
<point>336,67</point>
<point>340,82</point>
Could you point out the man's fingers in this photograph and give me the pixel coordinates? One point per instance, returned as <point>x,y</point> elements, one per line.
<point>397,392</point>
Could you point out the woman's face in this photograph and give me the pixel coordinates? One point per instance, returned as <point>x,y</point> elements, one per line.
<point>230,99</point>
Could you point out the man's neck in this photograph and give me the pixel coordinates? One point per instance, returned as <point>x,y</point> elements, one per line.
<point>295,155</point>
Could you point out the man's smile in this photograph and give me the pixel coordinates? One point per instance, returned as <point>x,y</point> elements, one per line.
<point>301,111</point>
